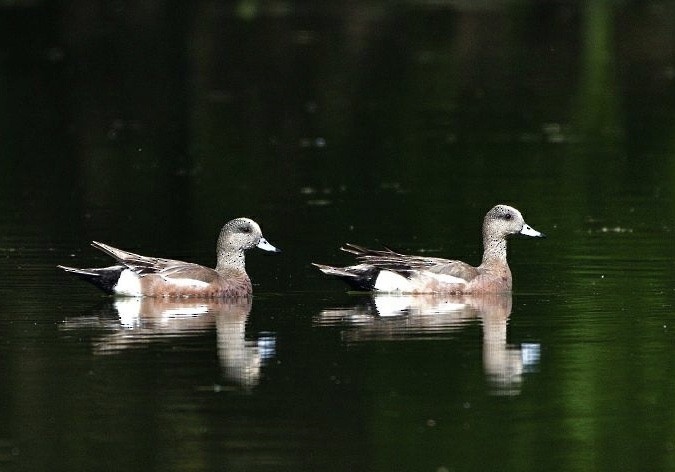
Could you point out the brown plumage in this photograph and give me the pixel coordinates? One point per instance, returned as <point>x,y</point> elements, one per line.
<point>137,275</point>
<point>389,271</point>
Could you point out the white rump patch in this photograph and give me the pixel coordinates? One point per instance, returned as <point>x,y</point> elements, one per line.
<point>388,281</point>
<point>186,282</point>
<point>129,284</point>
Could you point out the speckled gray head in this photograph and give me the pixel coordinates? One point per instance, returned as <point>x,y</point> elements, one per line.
<point>242,234</point>
<point>503,220</point>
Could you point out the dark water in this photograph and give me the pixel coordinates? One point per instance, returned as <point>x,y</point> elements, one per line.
<point>148,126</point>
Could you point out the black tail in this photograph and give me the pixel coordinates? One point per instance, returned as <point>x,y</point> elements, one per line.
<point>104,278</point>
<point>360,277</point>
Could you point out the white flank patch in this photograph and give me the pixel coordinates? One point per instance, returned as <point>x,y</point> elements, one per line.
<point>388,281</point>
<point>129,284</point>
<point>186,282</point>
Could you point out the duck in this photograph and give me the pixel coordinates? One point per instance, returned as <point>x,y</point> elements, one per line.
<point>384,270</point>
<point>141,276</point>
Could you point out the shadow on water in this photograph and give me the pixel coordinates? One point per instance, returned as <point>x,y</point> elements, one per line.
<point>414,317</point>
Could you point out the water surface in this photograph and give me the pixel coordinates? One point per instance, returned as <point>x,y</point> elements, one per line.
<point>373,124</point>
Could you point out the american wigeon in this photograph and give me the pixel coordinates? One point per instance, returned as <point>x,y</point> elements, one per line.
<point>138,276</point>
<point>388,271</point>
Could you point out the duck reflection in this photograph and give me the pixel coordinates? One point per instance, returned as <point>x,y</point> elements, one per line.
<point>401,317</point>
<point>138,322</point>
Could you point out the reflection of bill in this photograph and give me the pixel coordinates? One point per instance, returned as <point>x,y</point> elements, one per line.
<point>141,321</point>
<point>401,317</point>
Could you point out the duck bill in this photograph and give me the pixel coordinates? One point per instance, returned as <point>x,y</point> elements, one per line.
<point>532,233</point>
<point>265,246</point>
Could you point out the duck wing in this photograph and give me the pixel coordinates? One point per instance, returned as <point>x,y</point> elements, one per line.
<point>386,259</point>
<point>185,271</point>
<point>143,265</point>
<point>458,269</point>
<point>169,269</point>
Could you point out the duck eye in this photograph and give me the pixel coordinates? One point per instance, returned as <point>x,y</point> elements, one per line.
<point>508,216</point>
<point>245,229</point>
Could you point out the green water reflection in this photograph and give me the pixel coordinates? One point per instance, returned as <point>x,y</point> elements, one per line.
<point>149,124</point>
